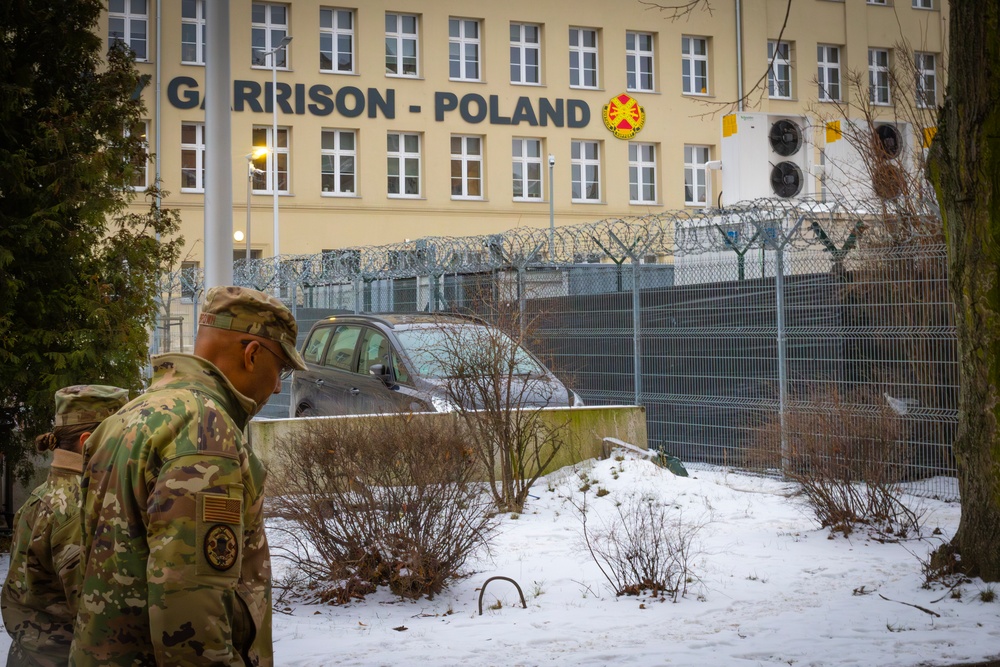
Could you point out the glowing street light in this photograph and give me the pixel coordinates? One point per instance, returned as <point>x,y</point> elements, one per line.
<point>257,153</point>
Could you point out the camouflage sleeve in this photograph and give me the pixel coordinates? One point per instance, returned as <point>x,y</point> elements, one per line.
<point>195,533</point>
<point>66,539</point>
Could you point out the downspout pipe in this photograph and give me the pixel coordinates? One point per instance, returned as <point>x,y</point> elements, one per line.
<point>739,54</point>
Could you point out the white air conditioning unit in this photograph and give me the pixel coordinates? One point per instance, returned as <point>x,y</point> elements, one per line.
<point>765,155</point>
<point>862,163</point>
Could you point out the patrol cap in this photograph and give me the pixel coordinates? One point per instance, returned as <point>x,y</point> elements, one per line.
<point>88,403</point>
<point>257,313</point>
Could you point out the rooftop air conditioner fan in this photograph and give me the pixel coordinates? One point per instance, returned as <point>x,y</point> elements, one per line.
<point>785,137</point>
<point>786,179</point>
<point>889,140</point>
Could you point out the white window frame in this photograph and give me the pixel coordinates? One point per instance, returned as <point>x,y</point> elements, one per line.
<point>691,63</point>
<point>926,83</point>
<point>399,37</point>
<point>923,4</point>
<point>197,22</point>
<point>198,150</point>
<point>125,12</point>
<point>469,165</point>
<point>335,158</point>
<point>522,163</point>
<point>585,172</point>
<point>463,49</point>
<point>882,3</point>
<point>523,46</point>
<point>640,63</point>
<point>140,187</point>
<point>403,158</point>
<point>584,59</point>
<point>334,32</point>
<point>696,175</point>
<point>273,33</point>
<point>280,154</point>
<point>828,77</point>
<point>781,71</point>
<point>642,173</point>
<point>878,77</point>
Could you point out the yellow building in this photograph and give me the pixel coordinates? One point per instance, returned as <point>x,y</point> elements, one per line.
<point>398,120</point>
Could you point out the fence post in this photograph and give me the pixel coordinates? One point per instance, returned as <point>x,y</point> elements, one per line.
<point>357,293</point>
<point>779,288</point>
<point>636,331</point>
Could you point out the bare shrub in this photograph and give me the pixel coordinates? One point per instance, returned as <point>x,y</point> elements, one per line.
<point>847,456</point>
<point>644,545</point>
<point>387,500</point>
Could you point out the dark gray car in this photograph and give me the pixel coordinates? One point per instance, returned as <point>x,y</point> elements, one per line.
<point>362,364</point>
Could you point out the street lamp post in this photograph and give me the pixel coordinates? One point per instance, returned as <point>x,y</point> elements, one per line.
<point>552,213</point>
<point>251,170</point>
<point>273,55</point>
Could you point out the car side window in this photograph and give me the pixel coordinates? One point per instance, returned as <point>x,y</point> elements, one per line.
<point>341,350</point>
<point>315,345</point>
<point>374,350</point>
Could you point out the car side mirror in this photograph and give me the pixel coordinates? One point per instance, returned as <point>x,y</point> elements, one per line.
<point>382,372</point>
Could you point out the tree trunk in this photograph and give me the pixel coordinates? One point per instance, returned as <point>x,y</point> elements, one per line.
<point>965,170</point>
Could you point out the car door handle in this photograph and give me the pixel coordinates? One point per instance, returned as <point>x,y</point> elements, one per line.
<point>355,391</point>
<point>319,383</point>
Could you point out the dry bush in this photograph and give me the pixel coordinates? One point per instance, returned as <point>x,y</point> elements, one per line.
<point>388,500</point>
<point>847,456</point>
<point>645,545</point>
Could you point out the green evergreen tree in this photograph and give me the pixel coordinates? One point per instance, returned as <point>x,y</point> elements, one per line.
<point>77,271</point>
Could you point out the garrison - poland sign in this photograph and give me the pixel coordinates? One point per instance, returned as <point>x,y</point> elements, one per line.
<point>623,116</point>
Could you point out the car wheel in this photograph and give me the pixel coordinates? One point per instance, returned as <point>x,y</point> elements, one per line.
<point>305,411</point>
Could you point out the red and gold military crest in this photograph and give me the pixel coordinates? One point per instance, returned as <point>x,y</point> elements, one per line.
<point>623,116</point>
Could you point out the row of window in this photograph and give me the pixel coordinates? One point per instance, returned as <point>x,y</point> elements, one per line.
<point>405,173</point>
<point>270,22</point>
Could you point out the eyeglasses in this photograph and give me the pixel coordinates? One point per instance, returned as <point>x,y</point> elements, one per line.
<point>286,368</point>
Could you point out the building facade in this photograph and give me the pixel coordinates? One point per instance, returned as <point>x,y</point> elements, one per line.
<point>399,120</point>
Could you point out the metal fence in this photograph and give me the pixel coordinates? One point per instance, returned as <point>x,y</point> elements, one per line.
<point>722,324</point>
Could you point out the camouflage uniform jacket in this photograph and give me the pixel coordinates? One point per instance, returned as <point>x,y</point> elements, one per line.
<point>40,594</point>
<point>176,563</point>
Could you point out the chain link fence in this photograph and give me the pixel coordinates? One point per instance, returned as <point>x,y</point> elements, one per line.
<point>719,323</point>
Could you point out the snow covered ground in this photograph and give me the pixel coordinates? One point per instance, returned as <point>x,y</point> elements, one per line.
<point>772,589</point>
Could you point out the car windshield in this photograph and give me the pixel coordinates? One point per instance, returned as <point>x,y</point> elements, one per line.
<point>445,350</point>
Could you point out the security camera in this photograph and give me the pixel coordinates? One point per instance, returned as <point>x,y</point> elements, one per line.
<point>552,160</point>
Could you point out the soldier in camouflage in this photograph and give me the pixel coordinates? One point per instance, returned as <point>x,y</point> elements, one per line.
<point>39,597</point>
<point>176,563</point>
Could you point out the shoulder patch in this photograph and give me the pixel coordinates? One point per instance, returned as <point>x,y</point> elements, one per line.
<point>220,547</point>
<point>218,508</point>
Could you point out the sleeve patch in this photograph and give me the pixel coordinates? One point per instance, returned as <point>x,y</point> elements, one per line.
<point>222,509</point>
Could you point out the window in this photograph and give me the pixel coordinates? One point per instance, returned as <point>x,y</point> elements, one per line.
<point>192,157</point>
<point>586,170</point>
<point>277,154</point>
<point>639,61</point>
<point>463,49</point>
<point>401,45</point>
<point>527,163</point>
<point>926,90</point>
<point>828,73</point>
<point>338,155</point>
<point>336,40</point>
<point>127,24</point>
<point>878,76</point>
<point>403,168</point>
<point>696,175</point>
<point>140,164</point>
<point>466,167</point>
<point>525,53</point>
<point>317,343</point>
<point>642,173</point>
<point>694,65</point>
<point>779,76</point>
<point>189,281</point>
<point>878,2</point>
<point>923,4</point>
<point>341,351</point>
<point>582,58</point>
<point>268,26</point>
<point>193,32</point>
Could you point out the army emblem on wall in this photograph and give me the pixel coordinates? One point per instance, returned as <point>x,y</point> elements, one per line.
<point>623,116</point>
